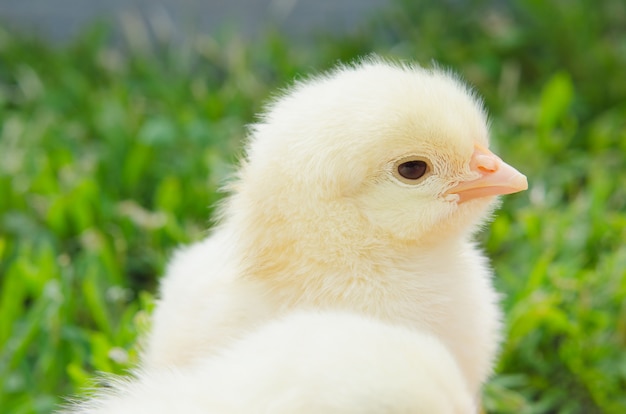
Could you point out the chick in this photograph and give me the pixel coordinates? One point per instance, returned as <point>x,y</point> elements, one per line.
<point>306,362</point>
<point>360,191</point>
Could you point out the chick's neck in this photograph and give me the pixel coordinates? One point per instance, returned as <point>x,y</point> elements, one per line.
<point>332,252</point>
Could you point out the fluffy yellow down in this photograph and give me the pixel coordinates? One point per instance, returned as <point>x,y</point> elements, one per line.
<point>319,219</point>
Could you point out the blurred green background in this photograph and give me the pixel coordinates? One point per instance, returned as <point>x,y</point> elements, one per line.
<point>111,154</point>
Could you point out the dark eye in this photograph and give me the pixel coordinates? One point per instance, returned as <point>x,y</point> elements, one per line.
<point>412,170</point>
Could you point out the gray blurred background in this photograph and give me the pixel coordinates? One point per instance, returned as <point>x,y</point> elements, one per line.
<point>61,20</point>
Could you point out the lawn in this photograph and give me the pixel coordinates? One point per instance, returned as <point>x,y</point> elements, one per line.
<point>111,155</point>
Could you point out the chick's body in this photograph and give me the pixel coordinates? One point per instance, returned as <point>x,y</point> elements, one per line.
<point>321,217</point>
<point>306,362</point>
<point>439,299</point>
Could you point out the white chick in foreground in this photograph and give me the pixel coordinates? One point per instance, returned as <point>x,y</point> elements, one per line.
<point>307,362</point>
<point>360,191</point>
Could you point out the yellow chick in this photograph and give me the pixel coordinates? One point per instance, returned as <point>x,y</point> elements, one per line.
<point>360,191</point>
<point>305,363</point>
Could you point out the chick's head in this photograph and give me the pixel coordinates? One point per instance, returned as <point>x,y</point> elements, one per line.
<point>386,145</point>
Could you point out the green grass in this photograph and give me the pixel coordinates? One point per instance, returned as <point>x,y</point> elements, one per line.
<point>110,156</point>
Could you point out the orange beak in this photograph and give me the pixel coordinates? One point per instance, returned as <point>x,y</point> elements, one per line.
<point>496,177</point>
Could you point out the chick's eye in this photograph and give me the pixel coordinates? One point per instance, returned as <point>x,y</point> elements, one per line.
<point>412,170</point>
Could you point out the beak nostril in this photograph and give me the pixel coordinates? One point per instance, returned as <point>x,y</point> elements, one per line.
<point>486,163</point>
<point>488,169</point>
